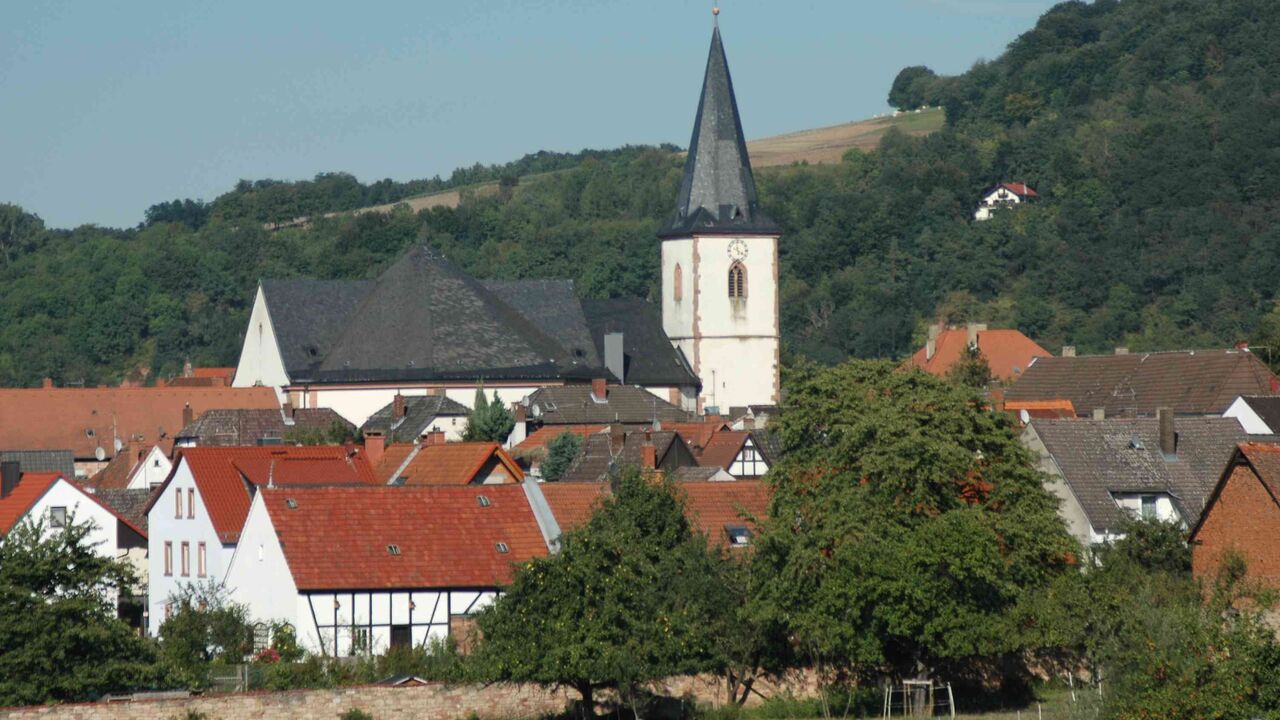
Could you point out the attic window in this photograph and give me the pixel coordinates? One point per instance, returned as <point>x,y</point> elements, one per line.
<point>739,536</point>
<point>483,500</point>
<point>400,480</point>
<point>291,503</point>
<point>88,432</point>
<point>502,548</point>
<point>1135,442</point>
<point>393,549</point>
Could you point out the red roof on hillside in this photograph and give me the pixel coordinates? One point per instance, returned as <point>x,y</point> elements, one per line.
<point>85,419</point>
<point>1017,188</point>
<point>221,473</point>
<point>1008,352</point>
<point>445,536</point>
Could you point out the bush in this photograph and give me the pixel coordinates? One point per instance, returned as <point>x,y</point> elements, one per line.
<point>355,714</point>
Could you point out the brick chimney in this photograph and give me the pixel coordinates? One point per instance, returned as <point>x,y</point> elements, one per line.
<point>1099,413</point>
<point>600,390</point>
<point>188,415</point>
<point>375,446</point>
<point>1168,436</point>
<point>10,474</point>
<point>1122,351</point>
<point>518,411</point>
<point>617,436</point>
<point>187,370</point>
<point>46,383</point>
<point>973,329</point>
<point>432,437</point>
<point>648,453</point>
<point>931,345</point>
<point>398,409</point>
<point>1068,351</point>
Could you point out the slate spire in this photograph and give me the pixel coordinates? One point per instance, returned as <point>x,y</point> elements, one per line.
<point>718,192</point>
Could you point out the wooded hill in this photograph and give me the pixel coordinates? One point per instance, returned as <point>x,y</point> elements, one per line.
<point>1150,129</point>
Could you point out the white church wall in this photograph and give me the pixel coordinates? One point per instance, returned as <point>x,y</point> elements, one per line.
<point>260,360</point>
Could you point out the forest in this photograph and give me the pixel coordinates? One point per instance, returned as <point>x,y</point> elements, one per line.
<point>1149,128</point>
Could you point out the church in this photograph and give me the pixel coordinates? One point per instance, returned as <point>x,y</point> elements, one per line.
<point>426,327</point>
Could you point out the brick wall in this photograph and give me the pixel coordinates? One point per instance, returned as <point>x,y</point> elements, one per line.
<point>1245,518</point>
<point>435,700</point>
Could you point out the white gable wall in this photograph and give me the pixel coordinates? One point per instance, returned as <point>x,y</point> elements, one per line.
<point>104,537</point>
<point>258,575</point>
<point>151,470</point>
<point>260,360</point>
<point>1249,420</point>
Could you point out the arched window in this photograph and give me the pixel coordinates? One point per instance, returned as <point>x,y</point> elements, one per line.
<point>677,291</point>
<point>737,281</point>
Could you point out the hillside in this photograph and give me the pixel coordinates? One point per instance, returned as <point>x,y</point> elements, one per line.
<point>1150,128</point>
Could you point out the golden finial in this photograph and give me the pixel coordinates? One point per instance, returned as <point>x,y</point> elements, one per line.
<point>715,15</point>
<point>715,9</point>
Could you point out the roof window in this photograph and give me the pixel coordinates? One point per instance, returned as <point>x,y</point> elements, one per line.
<point>291,503</point>
<point>739,535</point>
<point>393,549</point>
<point>483,500</point>
<point>502,548</point>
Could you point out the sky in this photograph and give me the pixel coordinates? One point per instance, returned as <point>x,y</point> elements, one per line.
<point>108,108</point>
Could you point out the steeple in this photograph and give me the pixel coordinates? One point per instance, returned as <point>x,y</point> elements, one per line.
<point>718,192</point>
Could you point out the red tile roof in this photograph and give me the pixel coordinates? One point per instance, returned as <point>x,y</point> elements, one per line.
<point>455,463</point>
<point>32,486</point>
<point>539,438</point>
<point>696,435</point>
<point>1018,188</point>
<point>118,472</point>
<point>84,419</point>
<point>221,472</point>
<point>338,538</point>
<point>723,448</point>
<point>710,506</point>
<point>1008,352</point>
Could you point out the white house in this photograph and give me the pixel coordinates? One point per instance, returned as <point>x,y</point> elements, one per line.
<point>195,519</point>
<point>1257,414</point>
<point>361,569</point>
<point>1002,195</point>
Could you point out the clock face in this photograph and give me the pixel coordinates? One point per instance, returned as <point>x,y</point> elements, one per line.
<point>738,250</point>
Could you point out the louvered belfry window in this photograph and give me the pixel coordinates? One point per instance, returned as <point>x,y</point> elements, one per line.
<point>737,281</point>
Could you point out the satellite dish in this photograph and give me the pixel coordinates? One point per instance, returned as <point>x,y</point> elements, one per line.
<point>99,453</point>
<point>119,444</point>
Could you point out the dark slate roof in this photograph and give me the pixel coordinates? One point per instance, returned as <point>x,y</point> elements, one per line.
<point>131,504</point>
<point>40,461</point>
<point>425,319</point>
<point>1195,382</point>
<point>575,405</point>
<point>601,449</point>
<point>1267,407</point>
<point>769,443</point>
<point>649,357</point>
<point>718,192</point>
<point>309,315</point>
<point>553,306</point>
<point>227,427</point>
<point>1099,457</point>
<point>420,412</point>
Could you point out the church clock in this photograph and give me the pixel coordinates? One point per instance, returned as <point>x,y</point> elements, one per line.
<point>738,250</point>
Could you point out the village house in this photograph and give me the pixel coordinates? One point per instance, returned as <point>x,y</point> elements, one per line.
<point>1002,195</point>
<point>1162,468</point>
<point>600,404</point>
<point>737,452</point>
<point>604,454</point>
<point>137,467</point>
<point>1190,382</point>
<point>97,423</point>
<point>1242,516</point>
<point>312,558</point>
<point>195,518</point>
<point>1008,352</point>
<point>405,419</point>
<point>235,427</point>
<point>433,461</point>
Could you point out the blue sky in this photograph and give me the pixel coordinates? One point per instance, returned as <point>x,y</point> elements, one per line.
<point>111,107</point>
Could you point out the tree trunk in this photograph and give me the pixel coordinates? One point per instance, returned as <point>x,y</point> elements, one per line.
<point>588,703</point>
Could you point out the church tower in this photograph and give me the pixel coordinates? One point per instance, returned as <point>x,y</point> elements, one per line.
<point>720,258</point>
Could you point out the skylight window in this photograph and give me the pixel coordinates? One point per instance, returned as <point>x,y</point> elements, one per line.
<point>502,548</point>
<point>483,500</point>
<point>291,503</point>
<point>739,536</point>
<point>393,549</point>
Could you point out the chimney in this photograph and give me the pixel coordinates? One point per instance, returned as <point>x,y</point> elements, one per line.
<point>1122,351</point>
<point>931,345</point>
<point>188,415</point>
<point>600,390</point>
<point>287,409</point>
<point>10,473</point>
<point>617,436</point>
<point>614,358</point>
<point>1099,413</point>
<point>432,437</point>
<point>1068,351</point>
<point>973,330</point>
<point>46,383</point>
<point>398,409</point>
<point>187,371</point>
<point>375,446</point>
<point>519,412</point>
<point>648,453</point>
<point>1168,437</point>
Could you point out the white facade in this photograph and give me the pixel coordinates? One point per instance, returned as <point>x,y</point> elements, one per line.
<point>999,197</point>
<point>178,522</point>
<point>63,502</point>
<point>730,337</point>
<point>336,623</point>
<point>261,362</point>
<point>151,470</point>
<point>1249,420</point>
<point>357,402</point>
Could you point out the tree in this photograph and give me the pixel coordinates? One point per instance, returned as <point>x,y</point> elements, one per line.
<point>60,638</point>
<point>488,421</point>
<point>971,370</point>
<point>907,522</point>
<point>912,88</point>
<point>561,452</point>
<point>627,599</point>
<point>204,628</point>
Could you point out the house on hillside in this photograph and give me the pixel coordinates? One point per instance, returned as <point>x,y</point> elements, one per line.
<point>240,427</point>
<point>1008,352</point>
<point>406,419</point>
<point>1163,467</point>
<point>97,423</point>
<point>423,327</point>
<point>1257,414</point>
<point>436,462</point>
<point>1002,195</point>
<point>195,518</point>
<point>54,500</point>
<point>1242,516</point>
<point>310,557</point>
<point>1191,382</point>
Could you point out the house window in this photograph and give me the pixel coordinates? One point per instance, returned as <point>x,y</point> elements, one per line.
<point>191,502</point>
<point>57,517</point>
<point>401,636</point>
<point>677,290</point>
<point>186,559</point>
<point>1148,507</point>
<point>359,640</point>
<point>200,560</point>
<point>168,558</point>
<point>739,535</point>
<point>749,463</point>
<point>177,503</point>
<point>737,281</point>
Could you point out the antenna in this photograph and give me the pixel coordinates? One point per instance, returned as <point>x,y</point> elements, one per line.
<point>271,473</point>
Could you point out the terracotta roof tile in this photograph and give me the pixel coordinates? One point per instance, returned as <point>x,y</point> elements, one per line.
<point>446,538</point>
<point>1008,352</point>
<point>455,463</point>
<point>723,448</point>
<point>540,438</point>
<point>31,487</point>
